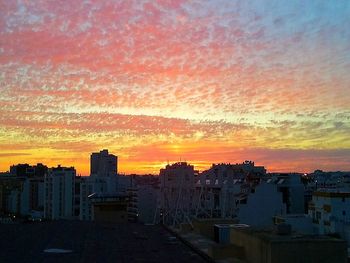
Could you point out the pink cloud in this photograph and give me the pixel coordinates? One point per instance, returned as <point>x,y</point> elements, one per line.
<point>168,69</point>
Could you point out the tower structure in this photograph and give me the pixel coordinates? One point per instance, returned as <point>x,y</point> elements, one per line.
<point>103,164</point>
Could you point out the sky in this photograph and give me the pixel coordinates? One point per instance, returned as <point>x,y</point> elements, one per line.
<point>158,81</point>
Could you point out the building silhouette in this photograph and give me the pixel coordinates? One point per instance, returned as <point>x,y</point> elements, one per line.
<point>103,164</point>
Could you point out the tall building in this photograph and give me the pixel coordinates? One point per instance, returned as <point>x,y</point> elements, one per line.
<point>36,194</point>
<point>22,190</point>
<point>103,164</point>
<point>77,194</point>
<point>11,192</point>
<point>59,193</point>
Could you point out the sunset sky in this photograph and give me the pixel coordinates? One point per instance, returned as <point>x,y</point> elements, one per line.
<point>156,81</point>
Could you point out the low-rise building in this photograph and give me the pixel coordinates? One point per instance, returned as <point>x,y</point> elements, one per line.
<point>261,205</point>
<point>271,246</point>
<point>107,208</point>
<point>107,185</point>
<point>330,211</point>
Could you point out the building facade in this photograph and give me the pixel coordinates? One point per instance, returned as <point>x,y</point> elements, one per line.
<point>261,206</point>
<point>94,184</point>
<point>59,193</point>
<point>177,193</point>
<point>103,164</point>
<point>330,212</point>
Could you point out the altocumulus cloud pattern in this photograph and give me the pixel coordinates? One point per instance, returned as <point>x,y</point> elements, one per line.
<point>157,80</point>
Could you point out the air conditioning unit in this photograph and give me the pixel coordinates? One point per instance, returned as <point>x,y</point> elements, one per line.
<point>222,234</point>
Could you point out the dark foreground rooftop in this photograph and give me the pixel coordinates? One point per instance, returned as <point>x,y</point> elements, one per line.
<point>91,242</point>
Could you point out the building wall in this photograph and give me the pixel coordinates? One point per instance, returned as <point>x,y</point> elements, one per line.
<point>293,191</point>
<point>307,252</point>
<point>110,212</point>
<point>219,174</point>
<point>255,250</point>
<point>299,223</point>
<point>59,193</point>
<point>103,164</point>
<point>177,192</point>
<point>86,188</point>
<point>296,194</point>
<point>177,174</point>
<point>18,200</point>
<point>261,206</point>
<point>25,198</point>
<point>10,194</point>
<point>13,202</point>
<point>331,213</point>
<point>109,185</point>
<point>205,227</point>
<point>122,184</point>
<point>262,249</point>
<point>147,203</point>
<point>39,195</point>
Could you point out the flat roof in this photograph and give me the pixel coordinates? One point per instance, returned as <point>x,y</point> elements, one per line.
<point>91,242</point>
<point>332,194</point>
<point>271,236</point>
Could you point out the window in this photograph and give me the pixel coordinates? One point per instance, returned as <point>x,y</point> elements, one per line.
<point>318,215</point>
<point>343,199</point>
<point>344,213</point>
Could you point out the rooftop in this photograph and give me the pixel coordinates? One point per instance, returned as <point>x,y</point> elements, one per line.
<point>272,236</point>
<point>337,193</point>
<point>91,242</point>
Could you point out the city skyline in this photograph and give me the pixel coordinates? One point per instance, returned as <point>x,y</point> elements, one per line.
<point>164,81</point>
<point>109,167</point>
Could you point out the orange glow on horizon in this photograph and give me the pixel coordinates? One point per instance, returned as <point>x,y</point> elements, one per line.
<point>159,81</point>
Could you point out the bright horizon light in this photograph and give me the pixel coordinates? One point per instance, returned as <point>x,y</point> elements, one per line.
<point>160,80</point>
